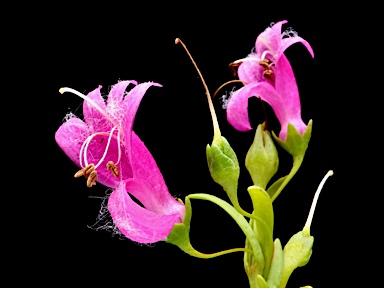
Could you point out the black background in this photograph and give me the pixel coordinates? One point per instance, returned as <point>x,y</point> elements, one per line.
<point>82,49</point>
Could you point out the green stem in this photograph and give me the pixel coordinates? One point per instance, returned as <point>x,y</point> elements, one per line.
<point>243,224</point>
<point>193,252</point>
<point>295,167</point>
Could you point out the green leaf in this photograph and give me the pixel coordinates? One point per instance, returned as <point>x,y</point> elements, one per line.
<point>263,211</point>
<point>277,266</point>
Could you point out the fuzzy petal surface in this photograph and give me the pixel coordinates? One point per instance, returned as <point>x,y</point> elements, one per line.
<point>148,184</point>
<point>270,39</point>
<point>137,223</point>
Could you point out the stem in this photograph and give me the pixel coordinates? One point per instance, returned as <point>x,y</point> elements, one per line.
<point>243,224</point>
<point>297,161</point>
<point>193,252</point>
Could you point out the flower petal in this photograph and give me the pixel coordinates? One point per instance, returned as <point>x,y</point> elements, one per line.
<point>250,71</point>
<point>237,109</point>
<point>93,117</point>
<point>286,42</point>
<point>130,105</point>
<point>70,137</point>
<point>116,95</point>
<point>286,86</point>
<point>136,222</point>
<point>148,184</point>
<point>270,39</point>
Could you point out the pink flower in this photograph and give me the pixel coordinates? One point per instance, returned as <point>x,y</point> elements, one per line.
<point>105,144</point>
<point>268,74</point>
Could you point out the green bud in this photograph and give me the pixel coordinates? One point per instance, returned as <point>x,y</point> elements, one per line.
<point>262,160</point>
<point>223,166</point>
<point>297,253</point>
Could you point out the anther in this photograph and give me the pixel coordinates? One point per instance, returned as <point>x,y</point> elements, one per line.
<point>88,172</point>
<point>266,64</point>
<point>233,66</point>
<point>85,171</point>
<point>112,167</point>
<point>92,178</point>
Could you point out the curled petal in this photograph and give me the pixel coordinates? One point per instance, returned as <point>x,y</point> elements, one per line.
<point>286,42</point>
<point>250,71</point>
<point>270,39</point>
<point>237,109</point>
<point>137,223</point>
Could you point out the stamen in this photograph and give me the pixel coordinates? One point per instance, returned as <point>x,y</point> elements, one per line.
<point>118,147</point>
<point>105,151</point>
<point>92,179</point>
<point>268,73</point>
<point>232,67</point>
<point>265,54</point>
<point>216,129</point>
<point>112,167</point>
<point>90,101</point>
<point>229,82</point>
<point>85,171</point>
<point>307,225</point>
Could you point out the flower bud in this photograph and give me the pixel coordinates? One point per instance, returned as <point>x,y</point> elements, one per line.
<point>223,165</point>
<point>262,160</point>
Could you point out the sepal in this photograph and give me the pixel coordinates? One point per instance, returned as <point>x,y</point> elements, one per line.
<point>295,144</point>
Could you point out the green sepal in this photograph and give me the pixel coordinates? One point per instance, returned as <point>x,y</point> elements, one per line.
<point>297,253</point>
<point>277,266</point>
<point>262,160</point>
<point>295,143</point>
<point>264,221</point>
<point>179,235</point>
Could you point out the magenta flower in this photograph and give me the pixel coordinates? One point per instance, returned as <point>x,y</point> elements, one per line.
<point>268,74</point>
<point>108,151</point>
